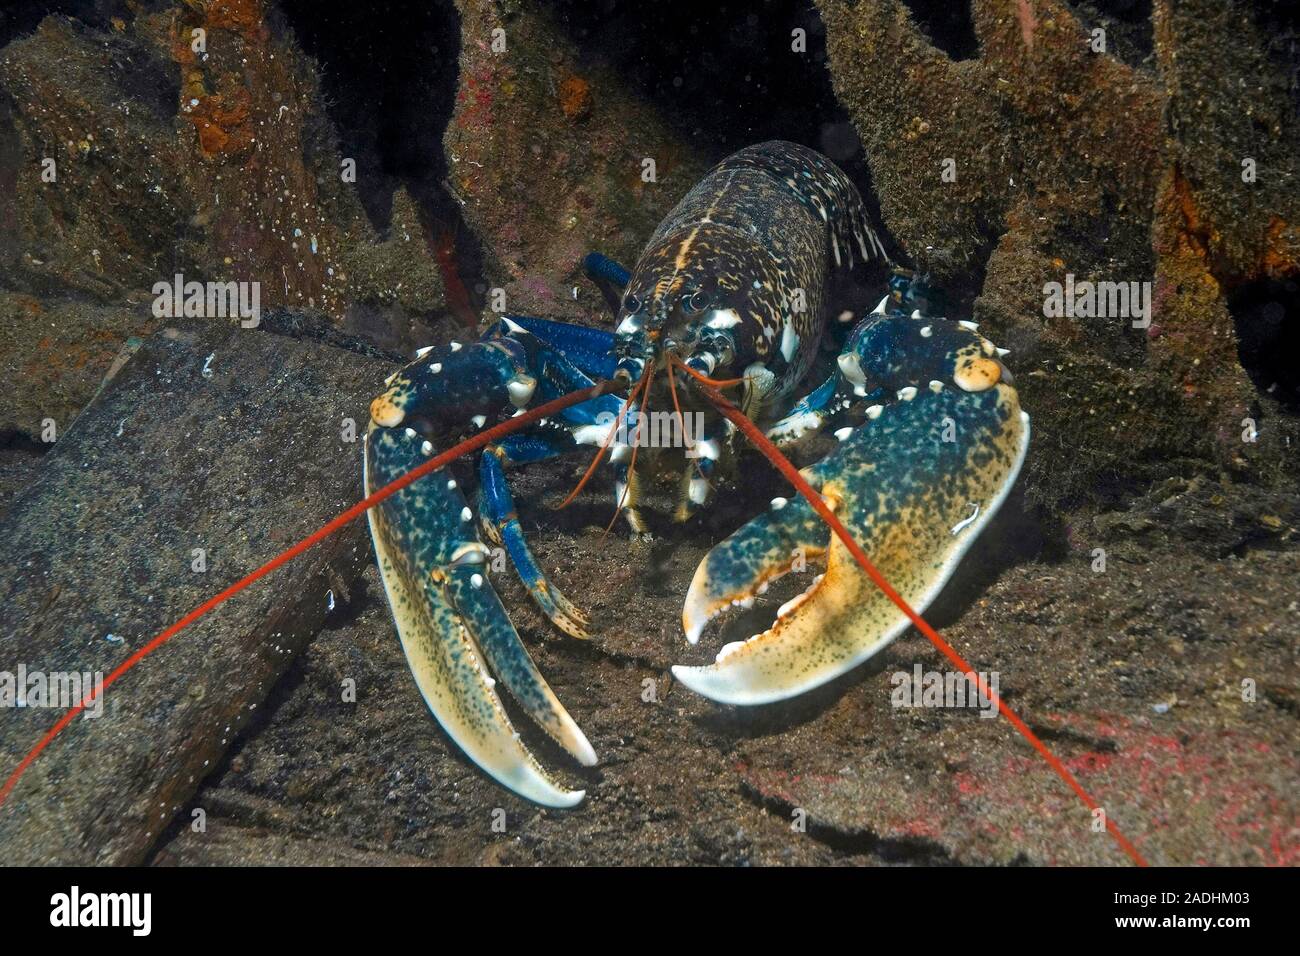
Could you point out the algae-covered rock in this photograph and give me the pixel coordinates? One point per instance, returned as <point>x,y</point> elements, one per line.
<point>191,139</point>
<point>55,356</point>
<point>188,139</point>
<point>551,158</point>
<point>1047,162</point>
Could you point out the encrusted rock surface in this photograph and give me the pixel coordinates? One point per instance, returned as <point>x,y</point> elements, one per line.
<point>226,441</point>
<point>1064,160</point>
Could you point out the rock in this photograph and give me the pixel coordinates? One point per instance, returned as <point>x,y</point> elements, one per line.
<point>99,557</point>
<point>546,155</point>
<point>399,289</point>
<point>55,354</point>
<point>189,139</point>
<point>1129,186</point>
<point>1084,658</point>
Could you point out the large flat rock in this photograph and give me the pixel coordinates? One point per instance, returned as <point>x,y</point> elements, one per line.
<point>241,460</point>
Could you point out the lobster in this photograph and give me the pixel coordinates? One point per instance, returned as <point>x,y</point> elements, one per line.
<point>731,291</point>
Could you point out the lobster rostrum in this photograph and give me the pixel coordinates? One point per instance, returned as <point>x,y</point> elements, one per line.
<point>730,290</point>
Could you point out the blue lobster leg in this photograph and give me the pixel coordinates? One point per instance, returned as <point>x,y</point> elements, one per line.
<point>590,351</point>
<point>915,484</point>
<point>501,524</point>
<point>827,404</point>
<point>820,409</point>
<point>608,276</point>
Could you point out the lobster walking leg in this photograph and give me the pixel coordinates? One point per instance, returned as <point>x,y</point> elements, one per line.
<point>501,524</point>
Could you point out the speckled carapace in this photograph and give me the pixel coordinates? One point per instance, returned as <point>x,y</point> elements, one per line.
<point>747,253</point>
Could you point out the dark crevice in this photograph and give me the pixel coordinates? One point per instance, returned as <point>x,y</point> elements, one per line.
<point>308,325</point>
<point>21,17</point>
<point>13,439</point>
<point>1127,25</point>
<point>948,24</point>
<point>724,76</point>
<point>389,73</point>
<point>1267,317</point>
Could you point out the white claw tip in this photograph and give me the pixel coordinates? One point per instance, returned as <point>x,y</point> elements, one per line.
<point>466,514</point>
<point>908,393</point>
<point>936,386</point>
<point>456,346</point>
<point>875,410</point>
<point>582,749</point>
<point>779,503</point>
<point>927,332</point>
<point>843,433</point>
<point>427,448</point>
<point>435,368</point>
<point>479,420</point>
<point>421,353</point>
<point>880,309</point>
<point>967,324</point>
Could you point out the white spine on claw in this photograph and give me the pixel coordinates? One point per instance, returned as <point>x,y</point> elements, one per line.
<point>851,368</point>
<point>521,389</point>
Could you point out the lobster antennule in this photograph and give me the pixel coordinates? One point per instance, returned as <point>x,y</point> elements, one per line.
<point>647,377</point>
<point>604,446</point>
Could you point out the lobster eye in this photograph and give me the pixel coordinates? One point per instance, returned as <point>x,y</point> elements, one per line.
<point>632,304</point>
<point>697,301</point>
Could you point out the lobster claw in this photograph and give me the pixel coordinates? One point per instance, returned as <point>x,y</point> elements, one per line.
<point>915,484</point>
<point>451,622</point>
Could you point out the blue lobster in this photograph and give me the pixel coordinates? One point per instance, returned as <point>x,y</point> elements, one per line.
<point>731,286</point>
